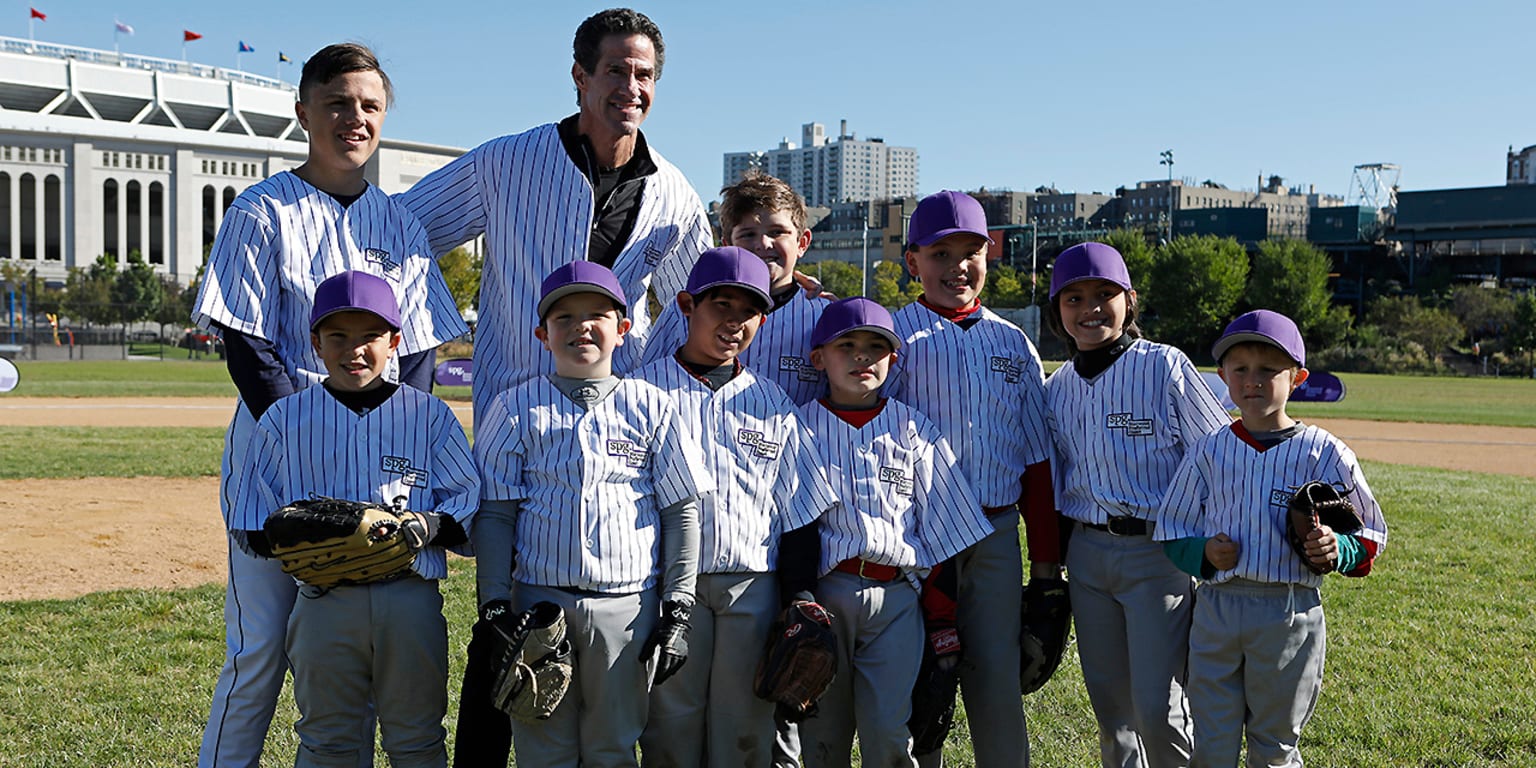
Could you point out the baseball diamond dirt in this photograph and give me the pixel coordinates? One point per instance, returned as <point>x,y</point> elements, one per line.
<point>151,532</point>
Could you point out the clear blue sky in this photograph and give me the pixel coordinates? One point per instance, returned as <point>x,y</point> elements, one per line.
<point>1079,95</point>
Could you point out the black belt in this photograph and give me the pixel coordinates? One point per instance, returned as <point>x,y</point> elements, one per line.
<point>1123,526</point>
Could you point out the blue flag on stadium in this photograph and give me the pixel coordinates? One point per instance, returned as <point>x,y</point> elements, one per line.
<point>245,48</point>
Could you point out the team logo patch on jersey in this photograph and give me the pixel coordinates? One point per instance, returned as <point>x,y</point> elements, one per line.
<point>1133,426</point>
<point>898,477</point>
<point>1011,368</point>
<point>385,261</point>
<point>801,367</point>
<point>400,465</point>
<point>761,448</point>
<point>1280,497</point>
<point>633,455</point>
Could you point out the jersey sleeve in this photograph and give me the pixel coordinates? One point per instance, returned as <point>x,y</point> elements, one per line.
<point>456,482</point>
<point>450,203</point>
<point>1033,410</point>
<point>428,312</point>
<point>241,288</point>
<point>258,490</point>
<point>950,517</point>
<point>804,493</point>
<point>498,451</point>
<point>669,332</point>
<point>1347,468</point>
<point>1182,513</point>
<point>678,472</point>
<point>671,275</point>
<point>1196,410</point>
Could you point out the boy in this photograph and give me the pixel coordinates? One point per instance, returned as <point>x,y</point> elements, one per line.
<point>764,215</point>
<point>979,379</point>
<point>905,509</point>
<point>280,239</point>
<point>1257,637</point>
<point>358,436</point>
<point>589,500</point>
<point>769,490</point>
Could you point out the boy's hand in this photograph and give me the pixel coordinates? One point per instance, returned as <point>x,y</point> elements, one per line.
<point>811,286</point>
<point>670,638</point>
<point>1221,552</point>
<point>1323,548</point>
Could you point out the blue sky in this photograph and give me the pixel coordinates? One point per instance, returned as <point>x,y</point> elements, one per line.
<point>1079,95</point>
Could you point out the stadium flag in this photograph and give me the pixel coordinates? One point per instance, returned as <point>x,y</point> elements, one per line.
<point>188,36</point>
<point>36,14</point>
<point>282,58</point>
<point>121,27</point>
<point>245,48</point>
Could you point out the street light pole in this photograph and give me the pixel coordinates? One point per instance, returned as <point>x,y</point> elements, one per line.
<point>865,241</point>
<point>1167,160</point>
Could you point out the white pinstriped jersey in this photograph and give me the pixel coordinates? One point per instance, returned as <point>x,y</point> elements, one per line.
<point>767,476</point>
<point>309,444</point>
<point>1120,436</point>
<point>780,351</point>
<point>1226,485</point>
<point>984,388</point>
<point>536,210</point>
<point>903,500</point>
<point>283,237</point>
<point>592,482</point>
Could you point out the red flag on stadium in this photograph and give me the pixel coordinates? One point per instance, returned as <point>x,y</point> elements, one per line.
<point>36,14</point>
<point>188,36</point>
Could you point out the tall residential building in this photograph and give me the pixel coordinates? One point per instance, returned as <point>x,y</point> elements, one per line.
<point>826,171</point>
<point>1520,167</point>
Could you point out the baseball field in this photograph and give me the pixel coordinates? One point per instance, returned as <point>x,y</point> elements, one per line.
<point>111,577</point>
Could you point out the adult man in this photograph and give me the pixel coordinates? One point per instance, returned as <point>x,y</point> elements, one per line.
<point>586,187</point>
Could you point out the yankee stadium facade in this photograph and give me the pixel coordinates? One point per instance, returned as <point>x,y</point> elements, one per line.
<point>102,152</point>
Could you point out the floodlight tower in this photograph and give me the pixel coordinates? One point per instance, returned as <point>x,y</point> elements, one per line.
<point>1374,186</point>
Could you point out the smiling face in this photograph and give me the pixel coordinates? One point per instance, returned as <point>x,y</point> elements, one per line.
<point>952,270</point>
<point>616,95</point>
<point>355,347</point>
<point>721,324</point>
<point>856,364</point>
<point>1260,379</point>
<point>1093,312</point>
<point>772,235</point>
<point>581,330</point>
<point>344,118</point>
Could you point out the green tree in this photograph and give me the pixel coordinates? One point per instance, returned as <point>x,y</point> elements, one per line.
<point>1407,319</point>
<point>137,290</point>
<point>1005,287</point>
<point>88,291</point>
<point>885,285</point>
<point>175,304</point>
<point>1484,312</point>
<point>1522,334</point>
<point>1291,277</point>
<point>1133,247</point>
<point>1195,284</point>
<point>461,271</point>
<point>838,278</point>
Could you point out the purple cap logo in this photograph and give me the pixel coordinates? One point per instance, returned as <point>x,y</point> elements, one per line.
<point>843,317</point>
<point>943,214</point>
<point>729,265</point>
<point>354,291</point>
<point>579,277</point>
<point>1265,327</point>
<point>1089,261</point>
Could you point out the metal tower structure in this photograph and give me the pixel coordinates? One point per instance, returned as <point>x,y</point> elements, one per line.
<point>1374,185</point>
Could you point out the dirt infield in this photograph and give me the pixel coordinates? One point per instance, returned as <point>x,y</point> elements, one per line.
<point>74,536</point>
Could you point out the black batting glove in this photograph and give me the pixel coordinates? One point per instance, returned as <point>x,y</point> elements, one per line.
<point>505,622</point>
<point>670,639</point>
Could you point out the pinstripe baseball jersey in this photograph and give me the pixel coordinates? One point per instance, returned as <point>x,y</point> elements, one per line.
<point>1226,485</point>
<point>984,388</point>
<point>536,210</point>
<point>780,351</point>
<point>592,482</point>
<point>767,476</point>
<point>1120,436</point>
<point>282,237</point>
<point>903,500</point>
<point>309,444</point>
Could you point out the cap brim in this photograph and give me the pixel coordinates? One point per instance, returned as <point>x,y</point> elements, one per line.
<point>943,233</point>
<point>1227,342</point>
<point>763,300</point>
<point>317,321</point>
<point>887,333</point>
<point>566,290</point>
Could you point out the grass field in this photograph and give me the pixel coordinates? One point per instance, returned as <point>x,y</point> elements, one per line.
<point>123,378</point>
<point>1430,661</point>
<point>109,452</point>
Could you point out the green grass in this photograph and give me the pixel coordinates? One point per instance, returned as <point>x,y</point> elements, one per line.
<point>109,452</point>
<point>1430,660</point>
<point>123,378</point>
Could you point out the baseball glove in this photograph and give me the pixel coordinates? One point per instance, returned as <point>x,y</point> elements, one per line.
<point>1317,504</point>
<point>534,663</point>
<point>1047,620</point>
<point>799,661</point>
<point>933,698</point>
<point>327,542</point>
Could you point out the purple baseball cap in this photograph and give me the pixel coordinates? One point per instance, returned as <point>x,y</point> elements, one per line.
<point>729,265</point>
<point>1089,261</point>
<point>1265,327</point>
<point>845,316</point>
<point>354,291</point>
<point>579,277</point>
<point>945,213</point>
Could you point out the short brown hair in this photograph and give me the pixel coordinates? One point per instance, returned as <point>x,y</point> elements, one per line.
<point>339,59</point>
<point>1053,319</point>
<point>759,190</point>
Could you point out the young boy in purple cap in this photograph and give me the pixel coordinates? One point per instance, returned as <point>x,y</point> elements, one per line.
<point>979,379</point>
<point>590,501</point>
<point>1257,637</point>
<point>758,542</point>
<point>392,445</point>
<point>1123,412</point>
<point>905,508</point>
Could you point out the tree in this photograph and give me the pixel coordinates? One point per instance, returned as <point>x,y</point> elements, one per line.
<point>1522,334</point>
<point>885,285</point>
<point>1407,319</point>
<point>1196,282</point>
<point>838,278</point>
<point>1291,277</point>
<point>137,290</point>
<point>1484,312</point>
<point>1005,288</point>
<point>88,291</point>
<point>461,271</point>
<point>1133,248</point>
<point>175,304</point>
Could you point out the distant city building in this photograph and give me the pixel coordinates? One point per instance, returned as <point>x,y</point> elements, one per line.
<point>1053,210</point>
<point>826,171</point>
<point>1003,207</point>
<point>1520,167</point>
<point>1288,208</point>
<point>842,234</point>
<point>102,152</point>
